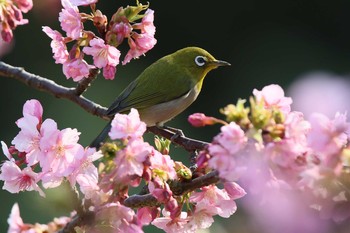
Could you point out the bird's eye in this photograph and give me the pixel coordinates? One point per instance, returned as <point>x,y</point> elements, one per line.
<point>200,60</point>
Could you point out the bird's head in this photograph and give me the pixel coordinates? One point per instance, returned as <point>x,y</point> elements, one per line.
<point>196,61</point>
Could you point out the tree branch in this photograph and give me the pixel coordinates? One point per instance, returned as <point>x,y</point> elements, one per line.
<point>49,86</point>
<point>178,188</point>
<point>78,220</point>
<point>139,201</point>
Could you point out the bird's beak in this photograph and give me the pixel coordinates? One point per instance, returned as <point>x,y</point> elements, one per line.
<point>220,63</point>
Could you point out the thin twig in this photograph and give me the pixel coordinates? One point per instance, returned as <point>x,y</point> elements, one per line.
<point>86,82</point>
<point>189,144</point>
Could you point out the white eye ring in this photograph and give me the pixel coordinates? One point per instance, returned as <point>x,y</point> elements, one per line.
<point>200,60</point>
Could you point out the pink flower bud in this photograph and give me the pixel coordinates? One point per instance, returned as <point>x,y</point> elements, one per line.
<point>6,32</point>
<point>201,120</point>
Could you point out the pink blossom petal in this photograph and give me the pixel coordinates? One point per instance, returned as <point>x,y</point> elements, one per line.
<point>71,20</point>
<point>33,107</point>
<point>15,221</point>
<point>127,126</point>
<point>82,2</point>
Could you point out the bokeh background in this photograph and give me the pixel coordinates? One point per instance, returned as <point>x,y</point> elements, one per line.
<point>302,45</point>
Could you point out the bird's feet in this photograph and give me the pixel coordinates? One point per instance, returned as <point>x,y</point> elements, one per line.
<point>177,132</point>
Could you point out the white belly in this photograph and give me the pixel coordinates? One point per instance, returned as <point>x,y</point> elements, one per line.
<point>161,113</point>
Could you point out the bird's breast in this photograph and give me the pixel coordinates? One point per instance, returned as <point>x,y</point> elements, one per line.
<point>160,113</point>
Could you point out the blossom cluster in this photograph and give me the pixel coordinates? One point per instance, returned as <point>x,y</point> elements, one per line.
<point>128,161</point>
<point>43,153</point>
<point>129,23</point>
<point>283,160</point>
<point>11,16</point>
<point>16,224</point>
<point>272,150</point>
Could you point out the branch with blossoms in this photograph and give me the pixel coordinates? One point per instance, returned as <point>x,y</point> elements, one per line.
<point>272,151</point>
<point>123,164</point>
<point>75,95</point>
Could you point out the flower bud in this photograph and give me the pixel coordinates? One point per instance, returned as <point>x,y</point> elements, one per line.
<point>118,32</point>
<point>109,150</point>
<point>237,113</point>
<point>278,116</point>
<point>182,171</point>
<point>100,21</point>
<point>260,116</point>
<point>132,12</point>
<point>6,33</point>
<point>162,145</point>
<point>201,120</point>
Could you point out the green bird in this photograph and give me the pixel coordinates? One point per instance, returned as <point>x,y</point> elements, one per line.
<point>164,89</point>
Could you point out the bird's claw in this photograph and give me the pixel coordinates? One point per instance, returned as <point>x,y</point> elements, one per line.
<point>177,133</point>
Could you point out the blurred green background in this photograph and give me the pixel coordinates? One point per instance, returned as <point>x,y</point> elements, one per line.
<point>271,41</point>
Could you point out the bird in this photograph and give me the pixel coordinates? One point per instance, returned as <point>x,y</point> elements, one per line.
<point>164,89</point>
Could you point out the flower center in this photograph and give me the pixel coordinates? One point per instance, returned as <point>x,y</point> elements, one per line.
<point>25,182</point>
<point>60,151</point>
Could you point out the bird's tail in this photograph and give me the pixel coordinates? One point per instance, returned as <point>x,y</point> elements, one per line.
<point>101,137</point>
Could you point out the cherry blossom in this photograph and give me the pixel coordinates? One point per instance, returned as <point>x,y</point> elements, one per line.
<point>59,48</point>
<point>11,16</point>
<point>201,218</point>
<point>273,97</point>
<point>116,216</point>
<point>104,55</point>
<point>82,2</point>
<point>139,45</point>
<point>83,166</point>
<point>231,138</point>
<point>146,24</point>
<point>15,221</point>
<point>173,225</point>
<point>16,180</point>
<point>77,69</point>
<point>61,148</point>
<point>327,136</point>
<point>32,129</point>
<point>216,199</point>
<point>129,161</point>
<point>162,166</point>
<point>127,126</point>
<point>71,20</point>
<point>146,215</point>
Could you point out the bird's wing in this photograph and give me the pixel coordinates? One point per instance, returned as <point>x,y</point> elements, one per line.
<point>150,88</point>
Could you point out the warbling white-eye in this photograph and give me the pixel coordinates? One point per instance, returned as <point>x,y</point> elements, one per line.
<point>165,88</point>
